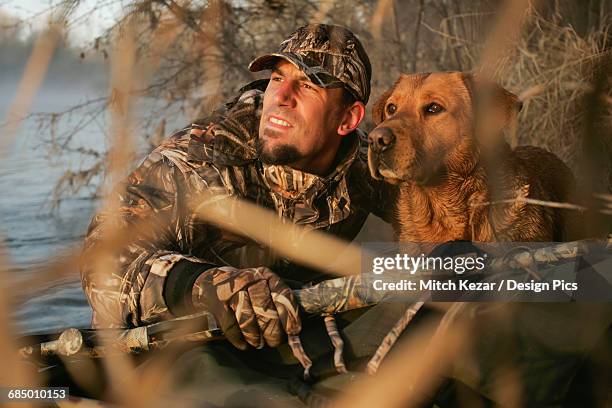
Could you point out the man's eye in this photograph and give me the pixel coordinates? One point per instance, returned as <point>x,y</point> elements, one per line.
<point>391,109</point>
<point>276,79</point>
<point>307,86</point>
<point>433,108</point>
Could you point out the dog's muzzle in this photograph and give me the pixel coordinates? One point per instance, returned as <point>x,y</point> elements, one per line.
<point>381,139</point>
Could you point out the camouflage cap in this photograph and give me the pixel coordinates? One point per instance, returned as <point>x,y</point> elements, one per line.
<point>331,56</point>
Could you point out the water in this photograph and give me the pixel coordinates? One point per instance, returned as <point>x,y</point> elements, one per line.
<point>31,234</point>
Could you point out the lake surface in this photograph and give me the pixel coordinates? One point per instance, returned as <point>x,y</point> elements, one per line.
<point>31,234</point>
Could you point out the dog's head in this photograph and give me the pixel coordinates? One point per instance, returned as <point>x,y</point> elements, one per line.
<point>425,124</point>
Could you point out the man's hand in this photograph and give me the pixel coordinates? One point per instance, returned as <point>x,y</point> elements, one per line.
<point>252,306</point>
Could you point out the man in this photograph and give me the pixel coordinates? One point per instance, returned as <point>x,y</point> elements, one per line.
<point>295,148</point>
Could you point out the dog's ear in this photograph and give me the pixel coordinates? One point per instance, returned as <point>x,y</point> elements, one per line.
<point>492,99</point>
<point>378,111</point>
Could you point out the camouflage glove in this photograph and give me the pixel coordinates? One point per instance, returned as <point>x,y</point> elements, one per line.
<point>252,306</point>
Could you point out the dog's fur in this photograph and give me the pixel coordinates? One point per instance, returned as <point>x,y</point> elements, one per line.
<point>443,172</point>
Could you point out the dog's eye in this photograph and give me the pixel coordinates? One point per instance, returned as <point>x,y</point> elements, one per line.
<point>433,108</point>
<point>391,108</point>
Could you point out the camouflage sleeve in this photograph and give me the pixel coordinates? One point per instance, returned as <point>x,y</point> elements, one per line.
<point>130,250</point>
<point>135,266</point>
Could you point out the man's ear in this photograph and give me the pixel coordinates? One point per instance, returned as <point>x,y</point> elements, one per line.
<point>491,99</point>
<point>352,118</point>
<point>378,111</point>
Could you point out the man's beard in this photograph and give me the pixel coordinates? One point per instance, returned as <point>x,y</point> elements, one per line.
<point>282,155</point>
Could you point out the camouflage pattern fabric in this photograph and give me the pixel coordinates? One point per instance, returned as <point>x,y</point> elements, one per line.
<point>392,337</point>
<point>337,342</point>
<point>329,55</point>
<point>156,218</point>
<point>254,299</point>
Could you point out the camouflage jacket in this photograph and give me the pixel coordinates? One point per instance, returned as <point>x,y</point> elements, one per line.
<point>216,155</point>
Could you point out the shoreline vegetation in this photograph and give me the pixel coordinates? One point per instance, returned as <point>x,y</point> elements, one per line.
<point>68,66</point>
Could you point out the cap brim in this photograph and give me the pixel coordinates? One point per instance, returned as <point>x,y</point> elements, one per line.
<point>267,62</point>
<point>317,74</point>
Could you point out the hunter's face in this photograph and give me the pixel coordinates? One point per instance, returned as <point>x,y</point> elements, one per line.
<point>300,121</point>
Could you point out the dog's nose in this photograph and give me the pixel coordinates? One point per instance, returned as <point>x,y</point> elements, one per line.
<point>381,139</point>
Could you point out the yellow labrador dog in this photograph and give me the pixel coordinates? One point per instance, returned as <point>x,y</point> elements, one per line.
<point>425,140</point>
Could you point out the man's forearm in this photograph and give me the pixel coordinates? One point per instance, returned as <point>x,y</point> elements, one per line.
<point>179,285</point>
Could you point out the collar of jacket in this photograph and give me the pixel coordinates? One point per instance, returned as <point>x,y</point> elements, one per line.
<point>294,192</point>
<point>292,183</point>
<point>228,136</point>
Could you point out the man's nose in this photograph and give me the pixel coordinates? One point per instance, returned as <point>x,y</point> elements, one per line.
<point>381,139</point>
<point>285,94</point>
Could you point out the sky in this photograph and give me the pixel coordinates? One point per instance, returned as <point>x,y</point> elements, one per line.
<point>90,18</point>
